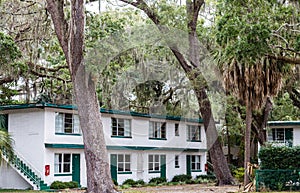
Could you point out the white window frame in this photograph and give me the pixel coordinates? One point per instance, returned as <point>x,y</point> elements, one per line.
<point>176,130</point>
<point>195,162</point>
<point>59,165</point>
<point>61,122</point>
<point>123,162</point>
<point>176,161</point>
<point>153,162</point>
<point>157,130</point>
<point>121,124</point>
<point>193,133</point>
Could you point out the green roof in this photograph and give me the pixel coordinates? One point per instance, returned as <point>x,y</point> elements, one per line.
<point>102,110</point>
<point>284,123</point>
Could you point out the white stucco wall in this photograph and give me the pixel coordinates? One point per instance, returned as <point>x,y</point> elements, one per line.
<point>27,130</point>
<point>49,160</point>
<point>10,179</point>
<point>141,157</point>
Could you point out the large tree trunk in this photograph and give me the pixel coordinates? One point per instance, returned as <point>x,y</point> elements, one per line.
<point>259,127</point>
<point>71,38</point>
<point>218,159</point>
<point>97,165</point>
<point>247,140</point>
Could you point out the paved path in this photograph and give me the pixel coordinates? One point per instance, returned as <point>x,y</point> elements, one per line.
<point>193,188</point>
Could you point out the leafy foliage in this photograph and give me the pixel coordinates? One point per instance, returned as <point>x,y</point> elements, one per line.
<point>284,109</point>
<point>280,157</point>
<point>157,180</point>
<point>181,178</point>
<point>278,180</point>
<point>64,185</point>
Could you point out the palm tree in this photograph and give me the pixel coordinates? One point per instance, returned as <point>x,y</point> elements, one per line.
<point>6,145</point>
<point>252,84</point>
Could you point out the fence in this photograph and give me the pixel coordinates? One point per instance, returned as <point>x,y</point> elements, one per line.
<point>277,180</point>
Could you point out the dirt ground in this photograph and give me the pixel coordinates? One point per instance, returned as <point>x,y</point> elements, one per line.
<point>194,188</point>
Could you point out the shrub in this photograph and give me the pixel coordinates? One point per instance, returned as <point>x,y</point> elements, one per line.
<point>130,182</point>
<point>279,157</point>
<point>239,174</point>
<point>58,185</point>
<point>181,178</point>
<point>157,180</point>
<point>72,184</point>
<point>139,182</point>
<point>64,185</point>
<point>206,178</point>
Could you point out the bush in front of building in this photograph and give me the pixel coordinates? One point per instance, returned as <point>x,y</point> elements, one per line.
<point>279,168</point>
<point>206,179</point>
<point>181,178</point>
<point>157,180</point>
<point>64,185</point>
<point>279,157</point>
<point>132,183</point>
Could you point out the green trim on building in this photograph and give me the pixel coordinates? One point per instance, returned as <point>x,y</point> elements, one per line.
<point>137,148</point>
<point>196,170</point>
<point>70,134</point>
<point>153,138</point>
<point>67,146</point>
<point>118,112</point>
<point>154,172</point>
<point>124,172</point>
<point>283,123</point>
<point>69,174</point>
<point>118,136</point>
<point>193,140</point>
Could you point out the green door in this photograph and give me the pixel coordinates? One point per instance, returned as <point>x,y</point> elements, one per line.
<point>76,168</point>
<point>289,136</point>
<point>188,165</point>
<point>163,172</point>
<point>113,167</point>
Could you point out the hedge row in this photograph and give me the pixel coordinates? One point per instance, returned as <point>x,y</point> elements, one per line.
<point>280,157</point>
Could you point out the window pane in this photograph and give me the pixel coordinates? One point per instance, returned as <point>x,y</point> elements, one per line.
<point>76,124</point>
<point>67,157</point>
<point>59,123</point>
<point>120,167</point>
<point>120,158</point>
<point>156,167</point>
<point>68,123</point>
<point>67,167</point>
<point>127,167</point>
<point>150,166</point>
<point>127,158</point>
<point>176,129</point>
<point>150,158</point>
<point>127,127</point>
<point>156,158</point>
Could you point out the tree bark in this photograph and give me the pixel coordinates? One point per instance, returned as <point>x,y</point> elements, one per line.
<point>261,122</point>
<point>247,139</point>
<point>71,38</point>
<point>218,159</point>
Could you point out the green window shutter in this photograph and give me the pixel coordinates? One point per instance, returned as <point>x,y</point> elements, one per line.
<point>113,166</point>
<point>289,136</point>
<point>163,172</point>
<point>188,165</point>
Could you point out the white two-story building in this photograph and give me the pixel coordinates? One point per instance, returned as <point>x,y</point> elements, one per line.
<point>284,133</point>
<point>49,146</point>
